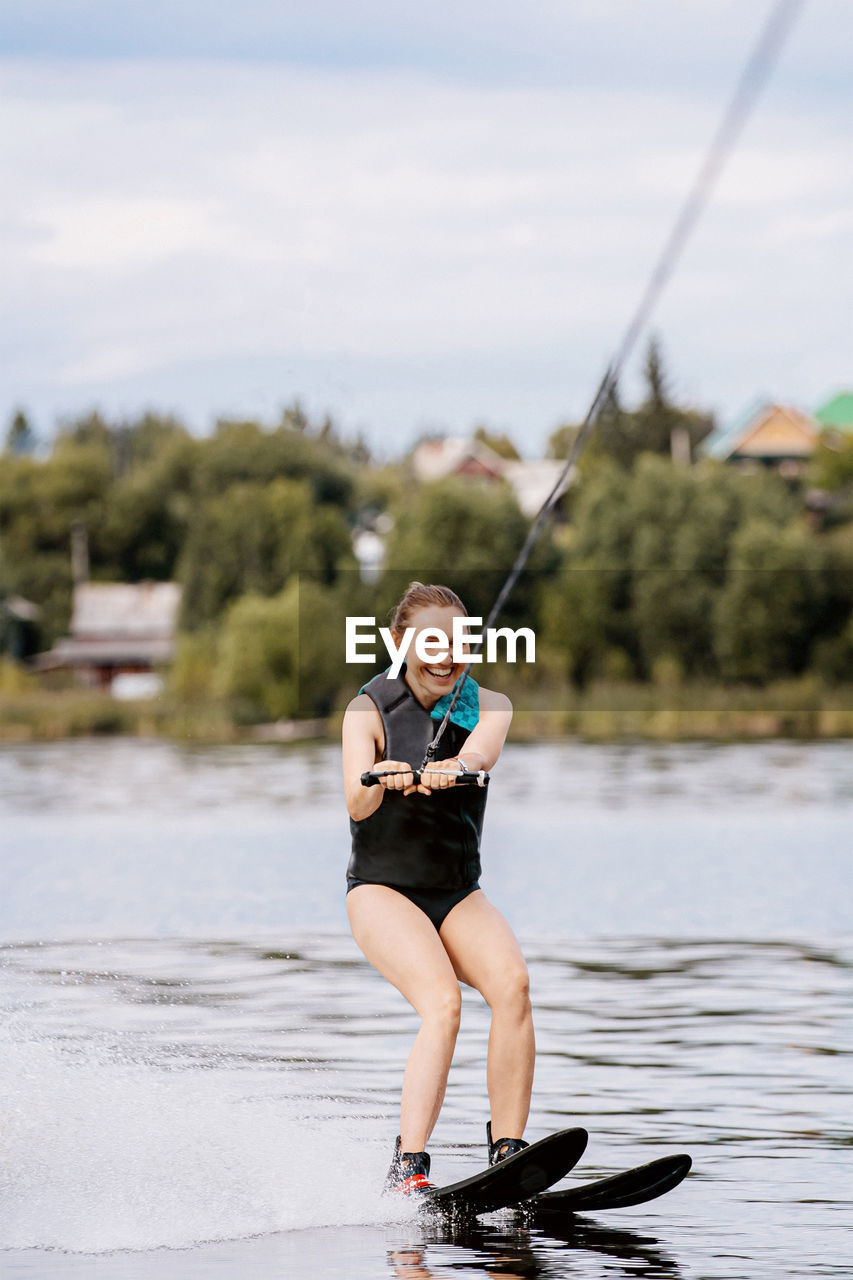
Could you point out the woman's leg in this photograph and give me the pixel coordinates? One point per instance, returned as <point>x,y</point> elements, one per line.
<point>486,955</point>
<point>401,942</point>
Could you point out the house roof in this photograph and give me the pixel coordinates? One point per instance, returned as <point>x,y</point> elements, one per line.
<point>837,412</point>
<point>435,459</point>
<point>124,610</point>
<point>531,482</point>
<point>722,441</point>
<point>765,429</point>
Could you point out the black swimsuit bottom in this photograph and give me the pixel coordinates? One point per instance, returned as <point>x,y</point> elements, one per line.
<point>436,904</point>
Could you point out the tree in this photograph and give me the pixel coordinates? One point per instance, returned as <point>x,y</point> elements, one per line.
<point>775,604</point>
<point>659,422</point>
<point>832,463</point>
<point>465,535</point>
<point>647,560</point>
<point>244,451</point>
<point>561,440</point>
<point>585,609</point>
<point>658,425</point>
<point>251,539</point>
<point>584,619</point>
<point>90,429</point>
<point>614,433</point>
<point>282,656</point>
<point>20,438</point>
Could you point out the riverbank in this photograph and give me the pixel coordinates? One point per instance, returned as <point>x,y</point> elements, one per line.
<point>607,711</point>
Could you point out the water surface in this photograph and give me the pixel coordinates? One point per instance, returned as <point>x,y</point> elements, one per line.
<point>200,1075</point>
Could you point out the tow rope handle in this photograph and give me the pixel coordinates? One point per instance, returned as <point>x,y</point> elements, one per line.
<point>479,779</point>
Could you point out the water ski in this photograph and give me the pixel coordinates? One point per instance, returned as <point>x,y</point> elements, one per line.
<point>617,1191</point>
<point>512,1181</point>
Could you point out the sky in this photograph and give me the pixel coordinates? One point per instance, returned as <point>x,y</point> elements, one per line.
<point>413,218</point>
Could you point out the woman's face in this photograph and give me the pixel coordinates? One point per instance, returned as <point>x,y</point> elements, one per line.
<point>431,680</point>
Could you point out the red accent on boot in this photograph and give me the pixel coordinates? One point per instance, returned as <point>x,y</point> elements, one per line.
<point>415,1183</point>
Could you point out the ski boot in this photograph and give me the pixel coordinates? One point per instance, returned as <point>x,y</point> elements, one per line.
<point>503,1147</point>
<point>408,1173</point>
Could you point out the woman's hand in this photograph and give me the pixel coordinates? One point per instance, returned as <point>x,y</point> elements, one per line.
<point>400,776</point>
<point>440,775</point>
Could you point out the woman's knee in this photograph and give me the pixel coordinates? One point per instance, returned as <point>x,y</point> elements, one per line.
<point>443,1008</point>
<point>510,990</point>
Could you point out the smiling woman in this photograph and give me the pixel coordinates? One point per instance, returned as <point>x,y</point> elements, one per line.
<point>413,896</point>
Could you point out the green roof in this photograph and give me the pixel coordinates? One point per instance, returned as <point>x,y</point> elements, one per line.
<point>837,412</point>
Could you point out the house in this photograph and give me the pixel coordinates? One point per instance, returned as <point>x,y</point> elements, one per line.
<point>776,435</point>
<point>121,634</point>
<point>770,435</point>
<point>442,456</point>
<point>531,482</point>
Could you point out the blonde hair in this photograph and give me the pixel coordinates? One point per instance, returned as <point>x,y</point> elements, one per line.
<point>420,596</point>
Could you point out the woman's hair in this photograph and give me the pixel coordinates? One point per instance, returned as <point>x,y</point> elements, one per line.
<point>418,596</point>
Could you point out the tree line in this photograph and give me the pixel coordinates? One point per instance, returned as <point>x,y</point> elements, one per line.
<point>654,570</point>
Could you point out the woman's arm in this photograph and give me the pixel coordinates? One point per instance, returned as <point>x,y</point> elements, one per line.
<point>362,740</point>
<point>483,746</point>
<point>485,742</point>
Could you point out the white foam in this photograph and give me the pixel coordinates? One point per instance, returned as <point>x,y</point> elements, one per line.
<point>99,1152</point>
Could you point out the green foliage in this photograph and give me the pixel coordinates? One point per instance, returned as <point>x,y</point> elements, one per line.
<point>774,602</point>
<point>683,522</point>
<point>38,502</point>
<point>652,552</point>
<point>376,490</point>
<point>659,420</point>
<point>14,678</point>
<point>145,525</point>
<point>152,437</point>
<point>561,440</point>
<point>125,445</point>
<point>649,579</point>
<point>90,430</point>
<point>655,426</point>
<point>583,617</point>
<point>251,539</point>
<point>833,656</point>
<point>467,537</point>
<point>244,452</point>
<point>192,674</point>
<point>282,656</point>
<point>832,464</point>
<point>149,496</point>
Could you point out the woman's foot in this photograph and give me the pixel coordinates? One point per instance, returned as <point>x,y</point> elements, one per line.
<point>503,1147</point>
<point>408,1174</point>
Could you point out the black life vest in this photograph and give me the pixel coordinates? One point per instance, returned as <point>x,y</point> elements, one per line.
<point>417,842</point>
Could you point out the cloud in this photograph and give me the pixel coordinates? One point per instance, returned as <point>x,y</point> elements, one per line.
<point>121,234</point>
<point>372,232</point>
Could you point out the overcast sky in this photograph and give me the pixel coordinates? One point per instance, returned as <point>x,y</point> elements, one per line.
<point>413,217</point>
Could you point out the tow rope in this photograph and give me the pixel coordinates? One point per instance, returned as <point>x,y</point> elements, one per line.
<point>752,79</point>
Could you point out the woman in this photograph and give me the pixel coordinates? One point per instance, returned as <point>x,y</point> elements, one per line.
<point>414,902</point>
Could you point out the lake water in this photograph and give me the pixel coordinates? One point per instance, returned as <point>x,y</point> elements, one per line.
<point>199,1074</point>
